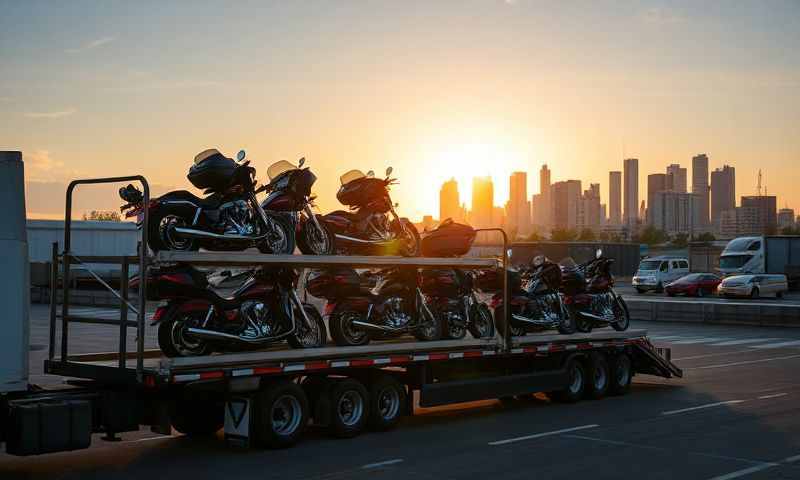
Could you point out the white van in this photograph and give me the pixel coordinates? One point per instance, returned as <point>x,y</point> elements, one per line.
<point>655,272</point>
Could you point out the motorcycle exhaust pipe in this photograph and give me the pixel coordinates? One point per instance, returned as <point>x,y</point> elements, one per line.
<point>520,318</point>
<point>346,238</point>
<point>214,335</point>
<point>202,234</point>
<point>372,326</point>
<point>596,317</point>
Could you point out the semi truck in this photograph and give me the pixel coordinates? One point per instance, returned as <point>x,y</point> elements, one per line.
<point>778,254</point>
<point>267,398</point>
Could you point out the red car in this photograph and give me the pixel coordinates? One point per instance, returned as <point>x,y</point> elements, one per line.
<point>694,284</point>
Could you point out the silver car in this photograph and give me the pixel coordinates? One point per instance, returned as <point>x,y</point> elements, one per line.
<point>754,286</point>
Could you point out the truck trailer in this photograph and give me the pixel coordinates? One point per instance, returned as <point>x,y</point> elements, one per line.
<point>779,254</point>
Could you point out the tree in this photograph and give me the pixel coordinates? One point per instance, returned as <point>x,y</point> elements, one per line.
<point>534,237</point>
<point>102,216</point>
<point>705,237</point>
<point>790,230</point>
<point>680,240</point>
<point>587,235</point>
<point>651,236</point>
<point>563,235</point>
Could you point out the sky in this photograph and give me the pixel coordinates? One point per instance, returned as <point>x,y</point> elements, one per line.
<point>435,89</point>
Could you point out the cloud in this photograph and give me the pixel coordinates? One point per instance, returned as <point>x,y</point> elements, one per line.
<point>40,166</point>
<point>52,115</point>
<point>166,85</point>
<point>662,16</point>
<point>91,45</point>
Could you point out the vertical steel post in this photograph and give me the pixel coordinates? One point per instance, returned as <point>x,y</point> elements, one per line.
<point>505,340</point>
<point>67,260</point>
<point>51,351</point>
<point>123,313</point>
<point>143,264</point>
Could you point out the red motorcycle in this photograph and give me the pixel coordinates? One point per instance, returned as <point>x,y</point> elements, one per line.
<point>368,229</point>
<point>263,308</point>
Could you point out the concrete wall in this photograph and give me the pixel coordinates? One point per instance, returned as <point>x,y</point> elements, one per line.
<point>723,313</point>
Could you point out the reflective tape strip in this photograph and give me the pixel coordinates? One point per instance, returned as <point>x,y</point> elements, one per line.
<point>189,377</point>
<point>456,355</point>
<point>420,358</point>
<point>243,373</point>
<point>382,361</point>
<point>345,363</point>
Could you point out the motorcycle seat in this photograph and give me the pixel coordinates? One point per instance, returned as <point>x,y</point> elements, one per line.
<point>211,201</point>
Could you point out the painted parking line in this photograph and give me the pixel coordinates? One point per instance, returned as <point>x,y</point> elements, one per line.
<point>792,343</point>
<point>745,471</point>
<point>385,463</point>
<point>702,407</point>
<point>698,340</point>
<point>711,355</point>
<point>774,395</point>
<point>743,342</point>
<point>747,362</point>
<point>543,434</point>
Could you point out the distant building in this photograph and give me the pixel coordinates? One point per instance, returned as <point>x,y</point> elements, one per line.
<point>631,192</point>
<point>482,202</point>
<point>723,192</point>
<point>518,209</point>
<point>675,212</point>
<point>449,206</point>
<point>590,213</point>
<point>786,218</point>
<point>427,222</point>
<point>767,206</point>
<point>677,178</point>
<point>756,216</point>
<point>615,198</point>
<point>545,218</point>
<point>656,183</point>
<point>700,185</point>
<point>566,200</point>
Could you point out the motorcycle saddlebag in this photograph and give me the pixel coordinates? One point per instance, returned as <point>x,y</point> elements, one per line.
<point>449,240</point>
<point>215,172</point>
<point>333,283</point>
<point>440,282</point>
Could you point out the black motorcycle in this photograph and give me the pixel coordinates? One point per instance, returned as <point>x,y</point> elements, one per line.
<point>357,314</point>
<point>228,218</point>
<point>263,307</point>
<point>368,229</point>
<point>589,296</point>
<point>535,301</point>
<point>289,192</point>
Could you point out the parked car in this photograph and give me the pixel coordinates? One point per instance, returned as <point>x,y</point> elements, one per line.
<point>754,286</point>
<point>694,285</point>
<point>656,272</point>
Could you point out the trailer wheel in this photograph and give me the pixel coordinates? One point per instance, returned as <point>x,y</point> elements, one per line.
<point>281,415</point>
<point>598,378</point>
<point>349,403</point>
<point>197,417</point>
<point>576,374</point>
<point>387,402</point>
<point>621,375</point>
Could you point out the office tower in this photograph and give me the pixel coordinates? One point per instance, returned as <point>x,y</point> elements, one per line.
<point>519,214</point>
<point>615,198</point>
<point>656,183</point>
<point>566,200</point>
<point>723,192</point>
<point>677,178</point>
<point>766,219</point>
<point>786,218</point>
<point>675,212</point>
<point>545,212</point>
<point>482,202</point>
<point>449,206</point>
<point>700,184</point>
<point>631,193</point>
<point>590,213</point>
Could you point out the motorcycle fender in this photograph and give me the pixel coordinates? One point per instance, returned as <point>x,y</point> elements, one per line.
<point>335,223</point>
<point>359,304</point>
<point>164,311</point>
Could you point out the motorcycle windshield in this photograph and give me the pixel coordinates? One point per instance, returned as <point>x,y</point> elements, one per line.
<point>350,176</point>
<point>279,168</point>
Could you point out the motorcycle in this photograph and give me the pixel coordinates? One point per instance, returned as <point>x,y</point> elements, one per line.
<point>289,191</point>
<point>227,218</point>
<point>358,314</point>
<point>451,291</point>
<point>263,308</point>
<point>589,295</point>
<point>534,297</point>
<point>367,229</point>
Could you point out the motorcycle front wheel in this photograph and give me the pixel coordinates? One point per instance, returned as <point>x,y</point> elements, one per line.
<point>622,316</point>
<point>304,336</point>
<point>566,324</point>
<point>451,330</point>
<point>315,241</point>
<point>407,232</point>
<point>173,339</point>
<point>481,324</point>
<point>582,324</point>
<point>429,328</point>
<point>280,240</point>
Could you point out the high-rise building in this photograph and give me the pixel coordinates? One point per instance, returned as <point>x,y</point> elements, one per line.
<point>676,178</point>
<point>723,192</point>
<point>766,206</point>
<point>449,206</point>
<point>566,200</point>
<point>786,218</point>
<point>615,198</point>
<point>482,202</point>
<point>631,193</point>
<point>700,185</point>
<point>656,183</point>
<point>675,212</point>
<point>518,211</point>
<point>545,218</point>
<point>590,214</point>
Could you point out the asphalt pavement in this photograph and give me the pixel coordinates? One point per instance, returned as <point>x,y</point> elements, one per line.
<point>733,415</point>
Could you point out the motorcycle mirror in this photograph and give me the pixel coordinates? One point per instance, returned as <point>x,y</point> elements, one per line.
<point>538,260</point>
<point>598,253</point>
<point>301,162</point>
<point>389,171</point>
<point>370,174</point>
<point>240,156</point>
<point>508,253</point>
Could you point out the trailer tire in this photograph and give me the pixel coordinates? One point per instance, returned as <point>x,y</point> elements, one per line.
<point>576,373</point>
<point>281,415</point>
<point>621,375</point>
<point>598,377</point>
<point>387,403</point>
<point>349,408</point>
<point>197,417</point>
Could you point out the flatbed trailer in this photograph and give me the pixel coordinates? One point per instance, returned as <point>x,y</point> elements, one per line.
<point>268,397</point>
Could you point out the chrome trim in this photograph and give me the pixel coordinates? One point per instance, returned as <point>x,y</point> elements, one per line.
<point>194,233</point>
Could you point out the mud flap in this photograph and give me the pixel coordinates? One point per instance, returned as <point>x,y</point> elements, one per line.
<point>238,421</point>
